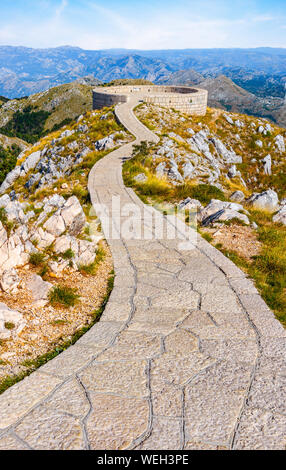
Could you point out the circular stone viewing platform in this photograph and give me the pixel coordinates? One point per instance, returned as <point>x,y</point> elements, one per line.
<point>185,99</point>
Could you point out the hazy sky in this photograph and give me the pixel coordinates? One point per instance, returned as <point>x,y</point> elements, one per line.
<point>143,24</point>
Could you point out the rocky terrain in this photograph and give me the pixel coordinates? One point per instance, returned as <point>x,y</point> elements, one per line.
<point>54,263</point>
<point>225,173</point>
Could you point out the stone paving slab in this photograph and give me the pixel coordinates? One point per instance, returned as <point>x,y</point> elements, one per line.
<point>187,355</point>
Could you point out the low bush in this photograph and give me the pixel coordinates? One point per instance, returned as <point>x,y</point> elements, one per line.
<point>65,296</point>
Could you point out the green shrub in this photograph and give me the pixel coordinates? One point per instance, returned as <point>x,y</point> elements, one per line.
<point>65,296</point>
<point>37,258</point>
<point>68,254</point>
<point>8,160</point>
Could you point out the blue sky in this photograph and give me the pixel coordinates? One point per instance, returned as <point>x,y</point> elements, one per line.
<point>143,24</point>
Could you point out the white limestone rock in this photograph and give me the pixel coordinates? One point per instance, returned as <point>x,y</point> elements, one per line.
<point>55,225</point>
<point>280,143</point>
<point>13,317</point>
<point>73,216</point>
<point>188,170</point>
<point>267,200</point>
<point>140,178</point>
<point>237,196</point>
<point>10,281</point>
<point>267,163</point>
<point>40,290</point>
<point>10,179</point>
<point>30,163</point>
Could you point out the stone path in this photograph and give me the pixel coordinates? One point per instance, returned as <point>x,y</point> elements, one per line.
<point>186,355</point>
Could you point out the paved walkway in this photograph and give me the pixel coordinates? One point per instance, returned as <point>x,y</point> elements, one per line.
<point>186,356</point>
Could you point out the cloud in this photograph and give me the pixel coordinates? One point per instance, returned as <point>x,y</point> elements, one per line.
<point>91,25</point>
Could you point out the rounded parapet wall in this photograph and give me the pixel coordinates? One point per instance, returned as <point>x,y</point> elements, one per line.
<point>185,99</point>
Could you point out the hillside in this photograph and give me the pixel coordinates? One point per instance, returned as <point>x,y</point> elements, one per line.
<point>32,117</point>
<point>224,174</point>
<point>56,268</point>
<point>225,94</point>
<point>25,71</point>
<point>225,169</point>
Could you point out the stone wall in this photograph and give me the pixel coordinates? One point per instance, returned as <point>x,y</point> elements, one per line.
<point>184,99</point>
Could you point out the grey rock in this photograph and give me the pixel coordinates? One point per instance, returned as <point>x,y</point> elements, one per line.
<point>66,133</point>
<point>55,225</point>
<point>188,170</point>
<point>140,178</point>
<point>73,216</point>
<point>30,163</point>
<point>189,204</point>
<point>267,200</point>
<point>280,217</point>
<point>228,118</point>
<point>229,156</point>
<point>40,290</point>
<point>237,196</point>
<point>267,162</point>
<point>8,315</point>
<point>232,172</point>
<point>10,179</point>
<point>4,200</point>
<point>10,281</point>
<point>280,143</point>
<point>104,144</point>
<point>161,169</point>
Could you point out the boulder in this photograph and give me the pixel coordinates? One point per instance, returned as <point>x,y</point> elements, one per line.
<point>14,318</point>
<point>10,281</point>
<point>174,173</point>
<point>232,172</point>
<point>57,267</point>
<point>73,216</point>
<point>10,179</point>
<point>267,162</point>
<point>188,170</point>
<point>140,178</point>
<point>224,209</point>
<point>4,200</point>
<point>228,118</point>
<point>280,217</point>
<point>43,239</point>
<point>30,163</point>
<point>86,253</point>
<point>280,143</point>
<point>237,196</point>
<point>40,290</point>
<point>104,144</point>
<point>161,169</point>
<point>229,156</point>
<point>64,243</point>
<point>55,225</point>
<point>267,200</point>
<point>66,133</point>
<point>189,204</point>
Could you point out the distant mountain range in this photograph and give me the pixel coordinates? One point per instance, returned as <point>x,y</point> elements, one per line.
<point>247,80</point>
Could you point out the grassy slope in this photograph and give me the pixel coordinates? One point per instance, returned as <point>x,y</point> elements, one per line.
<point>62,103</point>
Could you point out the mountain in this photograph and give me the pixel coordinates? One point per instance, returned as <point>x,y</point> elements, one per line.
<point>24,71</point>
<point>32,117</point>
<point>225,94</point>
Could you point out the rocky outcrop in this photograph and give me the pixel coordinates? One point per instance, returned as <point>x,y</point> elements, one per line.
<point>224,210</point>
<point>70,217</point>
